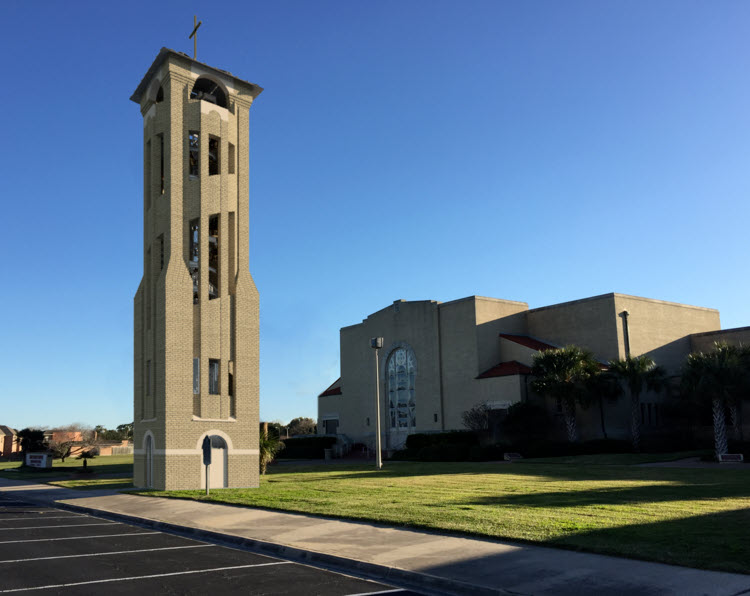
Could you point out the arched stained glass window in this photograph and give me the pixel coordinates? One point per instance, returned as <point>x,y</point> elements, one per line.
<point>402,405</point>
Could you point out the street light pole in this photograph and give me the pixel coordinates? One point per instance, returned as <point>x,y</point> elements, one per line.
<point>376,343</point>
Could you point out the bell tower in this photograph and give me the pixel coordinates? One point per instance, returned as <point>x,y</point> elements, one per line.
<point>196,308</point>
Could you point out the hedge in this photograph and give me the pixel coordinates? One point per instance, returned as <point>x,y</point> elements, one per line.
<point>305,447</point>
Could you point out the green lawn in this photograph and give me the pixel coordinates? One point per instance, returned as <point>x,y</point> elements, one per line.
<point>693,517</point>
<point>111,464</point>
<point>95,483</point>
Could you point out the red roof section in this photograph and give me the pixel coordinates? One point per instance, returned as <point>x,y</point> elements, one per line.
<point>506,369</point>
<point>529,342</point>
<point>332,390</point>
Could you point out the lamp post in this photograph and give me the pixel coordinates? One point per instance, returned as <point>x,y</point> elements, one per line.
<point>376,343</point>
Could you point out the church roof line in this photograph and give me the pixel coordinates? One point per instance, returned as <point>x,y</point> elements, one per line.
<point>165,53</point>
<point>506,369</point>
<point>333,389</point>
<point>529,342</point>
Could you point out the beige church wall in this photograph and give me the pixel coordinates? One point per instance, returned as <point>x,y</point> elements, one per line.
<point>704,342</point>
<point>412,324</point>
<point>497,392</point>
<point>590,323</point>
<point>459,357</point>
<point>492,317</point>
<point>661,329</point>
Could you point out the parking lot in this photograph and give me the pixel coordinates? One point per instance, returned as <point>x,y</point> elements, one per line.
<point>54,551</point>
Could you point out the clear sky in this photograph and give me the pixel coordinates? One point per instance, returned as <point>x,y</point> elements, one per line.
<point>534,151</point>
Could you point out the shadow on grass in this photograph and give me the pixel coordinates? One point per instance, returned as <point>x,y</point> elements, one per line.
<point>711,541</point>
<point>555,472</point>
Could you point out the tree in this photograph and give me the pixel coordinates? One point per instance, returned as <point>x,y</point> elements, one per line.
<point>637,373</point>
<point>126,431</point>
<point>601,387</point>
<point>720,378</point>
<point>68,439</point>
<point>301,426</point>
<point>563,374</point>
<point>269,446</point>
<point>31,439</point>
<point>477,418</point>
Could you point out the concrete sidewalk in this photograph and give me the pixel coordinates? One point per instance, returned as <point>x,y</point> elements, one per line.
<point>430,562</point>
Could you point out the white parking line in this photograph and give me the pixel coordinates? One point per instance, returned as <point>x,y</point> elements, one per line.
<point>27,517</point>
<point>374,593</point>
<point>125,579</point>
<point>63,526</point>
<point>119,552</point>
<point>77,537</point>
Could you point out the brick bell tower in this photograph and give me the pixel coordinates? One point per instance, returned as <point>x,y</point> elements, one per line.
<point>196,308</point>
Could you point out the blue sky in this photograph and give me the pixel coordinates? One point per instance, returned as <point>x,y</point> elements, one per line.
<point>533,151</point>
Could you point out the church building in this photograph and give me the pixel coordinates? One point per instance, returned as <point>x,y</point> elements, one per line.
<point>196,308</point>
<point>441,359</point>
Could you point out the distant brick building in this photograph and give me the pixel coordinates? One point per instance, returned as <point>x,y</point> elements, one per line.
<point>9,443</point>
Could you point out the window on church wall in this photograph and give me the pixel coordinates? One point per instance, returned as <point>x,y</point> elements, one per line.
<point>401,373</point>
<point>213,156</point>
<point>159,95</point>
<point>148,175</point>
<point>194,257</point>
<point>196,376</point>
<point>161,160</point>
<point>213,377</point>
<point>213,257</point>
<point>148,377</point>
<point>230,158</point>
<point>194,150</point>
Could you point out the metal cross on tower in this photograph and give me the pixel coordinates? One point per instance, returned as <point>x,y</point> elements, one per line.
<point>194,35</point>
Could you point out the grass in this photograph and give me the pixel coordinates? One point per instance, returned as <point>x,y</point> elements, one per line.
<point>111,464</point>
<point>95,483</point>
<point>693,517</point>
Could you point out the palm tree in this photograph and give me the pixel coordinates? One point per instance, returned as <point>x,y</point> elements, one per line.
<point>637,373</point>
<point>270,444</point>
<point>604,386</point>
<point>563,374</point>
<point>717,376</point>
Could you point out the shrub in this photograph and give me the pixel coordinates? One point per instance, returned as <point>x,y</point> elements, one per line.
<point>459,437</point>
<point>306,447</point>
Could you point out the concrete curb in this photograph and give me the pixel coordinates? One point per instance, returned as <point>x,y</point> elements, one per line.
<point>401,577</point>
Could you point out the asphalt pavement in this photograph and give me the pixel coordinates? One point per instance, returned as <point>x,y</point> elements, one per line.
<point>48,550</point>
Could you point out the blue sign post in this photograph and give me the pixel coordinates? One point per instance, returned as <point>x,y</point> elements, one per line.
<point>206,457</point>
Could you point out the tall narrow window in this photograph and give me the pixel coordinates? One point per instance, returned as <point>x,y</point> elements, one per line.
<point>213,156</point>
<point>149,289</point>
<point>230,158</point>
<point>230,385</point>
<point>147,191</point>
<point>196,376</point>
<point>213,257</point>
<point>161,160</point>
<point>148,377</point>
<point>402,372</point>
<point>213,377</point>
<point>194,262</point>
<point>195,151</point>
<point>161,252</point>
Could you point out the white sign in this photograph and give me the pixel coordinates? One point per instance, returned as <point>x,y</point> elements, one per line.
<point>39,460</point>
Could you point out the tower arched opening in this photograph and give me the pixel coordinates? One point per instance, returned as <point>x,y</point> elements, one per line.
<point>207,90</point>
